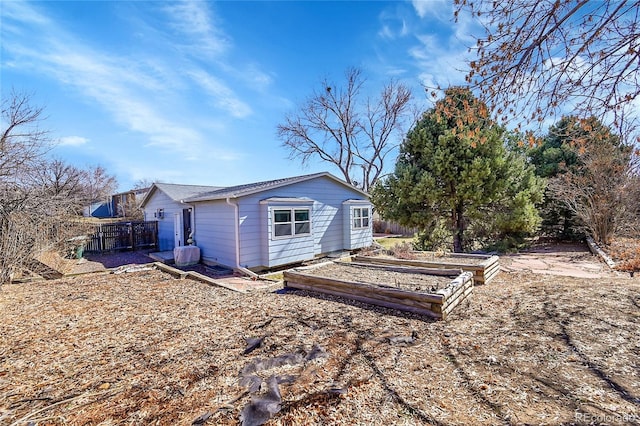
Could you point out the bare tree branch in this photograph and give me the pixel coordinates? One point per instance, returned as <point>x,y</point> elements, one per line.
<point>39,198</point>
<point>354,134</point>
<point>22,143</point>
<point>595,188</point>
<point>545,55</point>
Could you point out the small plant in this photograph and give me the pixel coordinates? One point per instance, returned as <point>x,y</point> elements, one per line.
<point>631,265</point>
<point>628,258</point>
<point>369,251</point>
<point>403,251</point>
<point>378,227</point>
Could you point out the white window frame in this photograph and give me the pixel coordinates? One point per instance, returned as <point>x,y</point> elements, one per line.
<point>293,222</point>
<point>358,222</point>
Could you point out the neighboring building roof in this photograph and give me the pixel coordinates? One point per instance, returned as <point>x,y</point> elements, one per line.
<point>253,188</point>
<point>194,193</point>
<point>137,191</point>
<point>98,209</point>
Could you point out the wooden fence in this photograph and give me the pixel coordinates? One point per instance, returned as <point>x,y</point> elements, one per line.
<point>387,227</point>
<point>123,236</point>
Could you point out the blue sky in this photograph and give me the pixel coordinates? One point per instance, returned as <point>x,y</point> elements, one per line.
<point>192,92</point>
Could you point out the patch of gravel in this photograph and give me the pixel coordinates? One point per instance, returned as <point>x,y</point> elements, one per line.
<point>96,262</point>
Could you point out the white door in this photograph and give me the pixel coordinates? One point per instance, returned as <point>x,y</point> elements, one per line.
<point>178,238</point>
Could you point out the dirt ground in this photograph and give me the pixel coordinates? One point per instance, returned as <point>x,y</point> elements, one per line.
<point>145,348</point>
<point>421,283</point>
<point>571,260</point>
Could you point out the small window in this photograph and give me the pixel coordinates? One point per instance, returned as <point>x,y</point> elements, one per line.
<point>282,223</point>
<point>284,226</point>
<point>302,222</point>
<point>361,217</point>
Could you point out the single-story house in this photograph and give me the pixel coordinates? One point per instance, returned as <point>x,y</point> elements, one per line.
<point>265,224</point>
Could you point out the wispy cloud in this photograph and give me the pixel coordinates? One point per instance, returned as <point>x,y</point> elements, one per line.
<point>136,94</point>
<point>439,9</point>
<point>441,64</point>
<point>437,52</point>
<point>391,31</point>
<point>73,141</point>
<point>194,21</point>
<point>223,97</point>
<point>256,78</point>
<point>441,53</point>
<point>23,13</point>
<point>394,23</point>
<point>126,92</point>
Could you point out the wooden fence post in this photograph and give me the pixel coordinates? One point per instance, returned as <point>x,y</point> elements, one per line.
<point>131,237</point>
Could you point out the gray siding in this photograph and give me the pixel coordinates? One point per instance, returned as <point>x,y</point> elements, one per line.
<point>284,250</point>
<point>251,231</point>
<point>326,223</point>
<point>355,238</point>
<point>166,232</point>
<point>215,232</point>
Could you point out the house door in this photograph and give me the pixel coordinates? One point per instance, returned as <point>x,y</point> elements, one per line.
<point>187,236</point>
<point>177,230</point>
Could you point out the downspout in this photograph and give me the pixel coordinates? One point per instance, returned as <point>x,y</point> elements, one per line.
<point>192,236</point>
<point>193,225</point>
<point>236,228</point>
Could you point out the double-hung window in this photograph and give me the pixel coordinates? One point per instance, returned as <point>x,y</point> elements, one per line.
<point>291,222</point>
<point>360,217</point>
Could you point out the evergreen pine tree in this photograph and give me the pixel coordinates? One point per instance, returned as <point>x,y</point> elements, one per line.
<point>455,174</point>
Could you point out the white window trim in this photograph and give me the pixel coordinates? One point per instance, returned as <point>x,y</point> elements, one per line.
<point>293,222</point>
<point>361,217</point>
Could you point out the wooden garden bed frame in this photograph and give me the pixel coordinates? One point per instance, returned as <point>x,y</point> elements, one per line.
<point>484,269</point>
<point>438,304</point>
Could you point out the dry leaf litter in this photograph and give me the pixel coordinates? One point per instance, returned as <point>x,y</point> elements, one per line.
<point>146,348</point>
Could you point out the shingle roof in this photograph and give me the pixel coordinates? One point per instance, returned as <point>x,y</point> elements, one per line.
<point>253,188</point>
<point>193,193</point>
<point>181,192</point>
<point>246,189</point>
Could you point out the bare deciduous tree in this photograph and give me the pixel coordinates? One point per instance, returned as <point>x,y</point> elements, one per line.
<point>354,134</point>
<point>98,184</point>
<point>22,147</point>
<point>73,188</point>
<point>541,55</point>
<point>631,226</point>
<point>144,183</point>
<point>22,143</point>
<point>58,178</point>
<point>39,198</point>
<point>596,187</point>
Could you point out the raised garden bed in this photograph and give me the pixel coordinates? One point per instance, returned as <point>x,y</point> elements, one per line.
<point>483,267</point>
<point>426,291</point>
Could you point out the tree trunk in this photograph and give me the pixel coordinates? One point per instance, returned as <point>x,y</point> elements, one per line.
<point>458,229</point>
